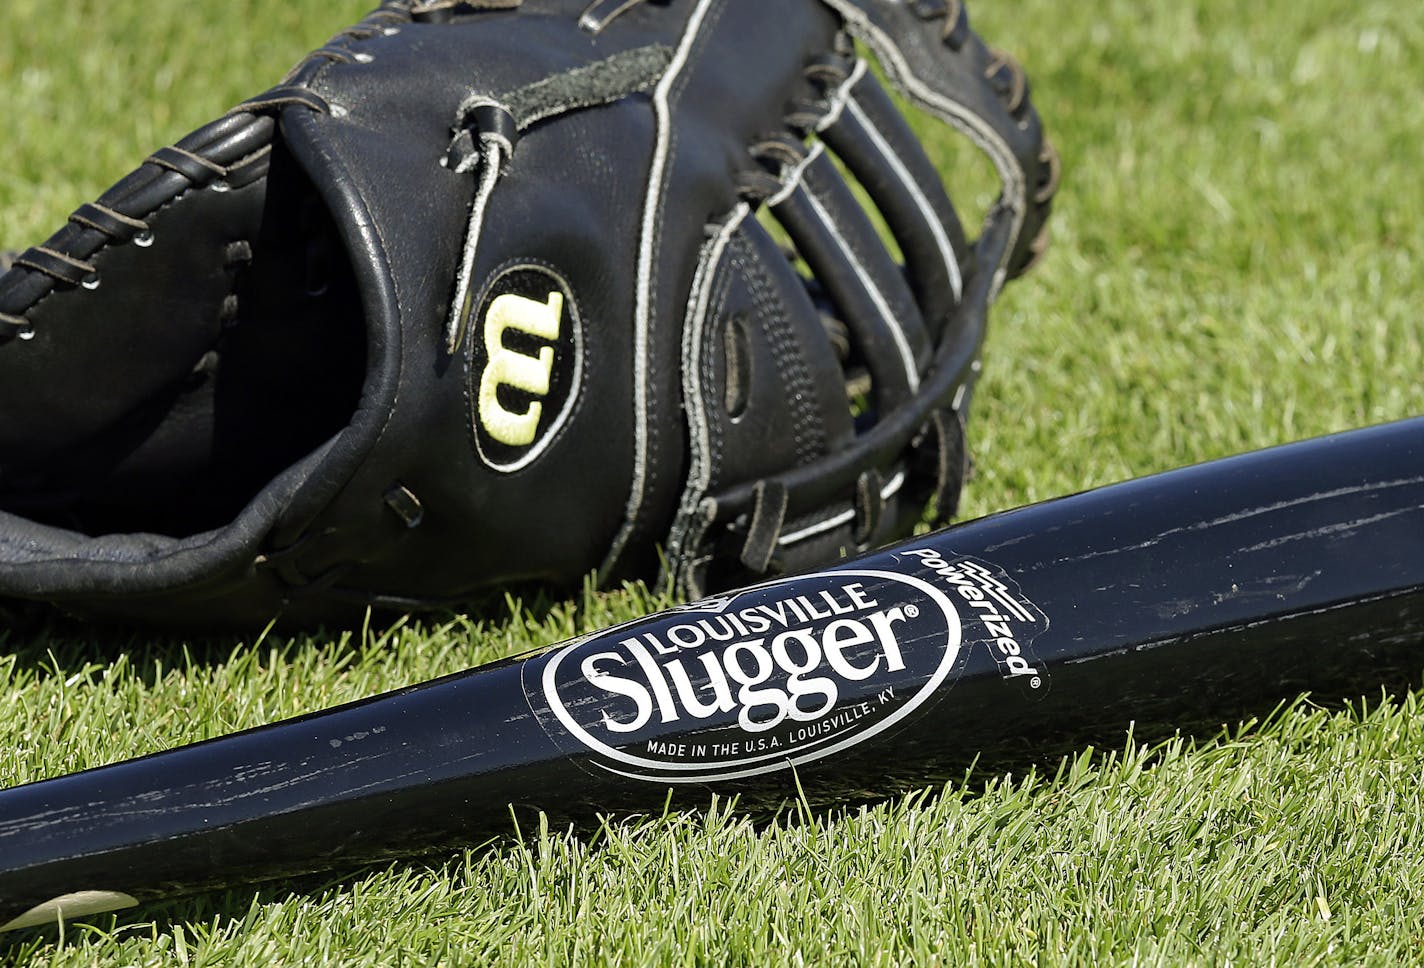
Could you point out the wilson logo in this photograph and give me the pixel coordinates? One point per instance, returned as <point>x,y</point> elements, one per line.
<point>525,365</point>
<point>776,675</point>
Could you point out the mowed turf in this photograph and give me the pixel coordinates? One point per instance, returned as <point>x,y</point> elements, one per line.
<point>1236,263</point>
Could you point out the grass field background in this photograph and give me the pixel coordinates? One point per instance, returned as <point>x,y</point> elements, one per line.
<point>1236,263</point>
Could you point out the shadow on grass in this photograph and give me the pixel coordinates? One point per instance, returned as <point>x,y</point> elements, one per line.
<point>48,642</point>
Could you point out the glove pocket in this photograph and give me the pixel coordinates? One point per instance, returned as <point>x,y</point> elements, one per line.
<point>180,343</point>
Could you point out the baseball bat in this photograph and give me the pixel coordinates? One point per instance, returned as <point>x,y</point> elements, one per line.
<point>1181,600</point>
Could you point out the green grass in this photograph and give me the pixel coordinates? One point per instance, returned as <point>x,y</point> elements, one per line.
<point>1236,262</point>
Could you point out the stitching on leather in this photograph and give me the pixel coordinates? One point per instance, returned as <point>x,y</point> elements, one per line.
<point>692,519</point>
<point>716,309</point>
<point>810,435</point>
<point>645,460</point>
<point>63,257</point>
<point>237,256</point>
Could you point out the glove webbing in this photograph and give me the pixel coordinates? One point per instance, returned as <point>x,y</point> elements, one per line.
<point>928,302</point>
<point>868,309</point>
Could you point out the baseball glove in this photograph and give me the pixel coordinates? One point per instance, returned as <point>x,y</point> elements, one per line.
<point>489,292</point>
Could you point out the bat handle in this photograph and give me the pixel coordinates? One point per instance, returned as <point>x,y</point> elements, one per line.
<point>430,766</point>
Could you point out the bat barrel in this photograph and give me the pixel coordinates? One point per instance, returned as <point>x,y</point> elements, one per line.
<point>1192,597</point>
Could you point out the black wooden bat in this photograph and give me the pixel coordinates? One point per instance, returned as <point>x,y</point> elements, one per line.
<point>1182,600</point>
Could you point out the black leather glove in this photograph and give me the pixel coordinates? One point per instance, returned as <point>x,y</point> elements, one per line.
<point>482,293</point>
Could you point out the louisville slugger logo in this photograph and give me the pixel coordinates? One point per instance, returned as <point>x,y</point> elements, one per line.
<point>780,674</point>
<point>525,365</point>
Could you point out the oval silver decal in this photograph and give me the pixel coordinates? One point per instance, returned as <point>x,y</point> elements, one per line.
<point>767,678</point>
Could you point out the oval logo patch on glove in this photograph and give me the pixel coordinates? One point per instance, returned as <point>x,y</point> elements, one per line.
<point>525,364</point>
